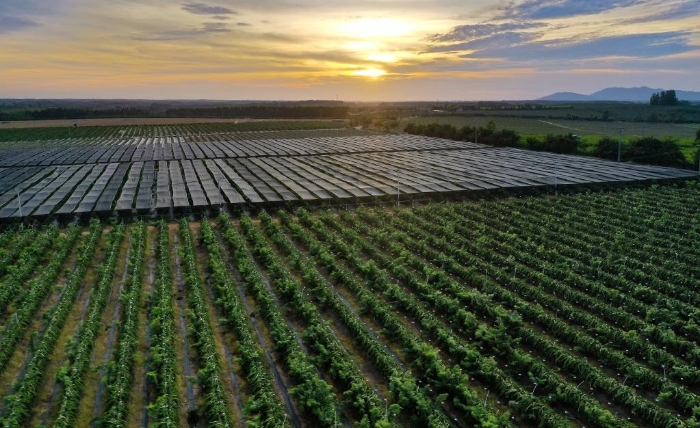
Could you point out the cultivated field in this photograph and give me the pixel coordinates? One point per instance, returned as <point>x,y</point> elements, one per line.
<point>543,311</point>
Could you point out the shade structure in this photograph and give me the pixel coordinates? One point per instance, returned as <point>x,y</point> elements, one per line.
<point>142,174</point>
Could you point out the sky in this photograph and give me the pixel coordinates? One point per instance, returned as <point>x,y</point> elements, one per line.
<point>378,50</point>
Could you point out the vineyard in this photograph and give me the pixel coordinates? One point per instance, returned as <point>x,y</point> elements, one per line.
<point>547,311</point>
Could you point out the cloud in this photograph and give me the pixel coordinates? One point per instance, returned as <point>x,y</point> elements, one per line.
<point>488,44</point>
<point>471,32</point>
<point>550,9</point>
<point>242,24</point>
<point>205,29</point>
<point>682,9</point>
<point>203,9</point>
<point>15,23</point>
<point>627,46</point>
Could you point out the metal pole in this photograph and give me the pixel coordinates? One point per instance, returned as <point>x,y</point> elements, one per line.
<point>19,202</point>
<point>619,143</point>
<point>218,185</point>
<point>397,188</point>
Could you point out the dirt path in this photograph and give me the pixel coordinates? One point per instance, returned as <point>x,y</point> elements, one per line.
<point>184,354</point>
<point>573,129</point>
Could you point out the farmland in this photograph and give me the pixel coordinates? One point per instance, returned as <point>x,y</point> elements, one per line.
<point>295,274</point>
<point>569,310</point>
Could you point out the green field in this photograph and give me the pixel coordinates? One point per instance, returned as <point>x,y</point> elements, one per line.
<point>590,131</point>
<point>596,129</point>
<point>548,311</point>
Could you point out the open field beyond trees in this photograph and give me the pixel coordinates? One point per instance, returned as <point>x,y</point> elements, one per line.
<point>585,128</point>
<point>553,311</point>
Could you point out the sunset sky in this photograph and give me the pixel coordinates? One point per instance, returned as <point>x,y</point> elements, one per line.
<point>360,50</point>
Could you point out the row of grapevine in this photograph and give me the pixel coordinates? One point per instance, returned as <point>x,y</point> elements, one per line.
<point>120,375</point>
<point>216,409</point>
<point>162,352</point>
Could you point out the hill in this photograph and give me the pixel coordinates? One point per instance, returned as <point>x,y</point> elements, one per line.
<point>641,94</point>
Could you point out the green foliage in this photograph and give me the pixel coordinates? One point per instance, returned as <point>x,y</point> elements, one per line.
<point>664,98</point>
<point>163,360</point>
<point>650,150</point>
<point>120,375</point>
<point>562,144</point>
<point>606,148</point>
<point>72,374</point>
<point>654,151</point>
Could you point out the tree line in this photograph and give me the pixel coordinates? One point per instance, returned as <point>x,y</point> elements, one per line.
<point>248,111</point>
<point>666,98</point>
<point>646,150</point>
<point>264,112</point>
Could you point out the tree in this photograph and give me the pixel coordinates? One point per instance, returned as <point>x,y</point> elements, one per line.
<point>697,135</point>
<point>653,151</point>
<point>664,98</point>
<point>606,149</point>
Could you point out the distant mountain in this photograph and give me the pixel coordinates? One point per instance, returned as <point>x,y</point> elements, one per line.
<point>619,94</point>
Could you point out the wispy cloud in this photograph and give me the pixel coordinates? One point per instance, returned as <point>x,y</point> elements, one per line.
<point>549,9</point>
<point>15,23</point>
<point>624,46</point>
<point>203,9</point>
<point>463,33</point>
<point>672,10</point>
<point>205,29</point>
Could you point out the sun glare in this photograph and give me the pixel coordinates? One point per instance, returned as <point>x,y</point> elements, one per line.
<point>374,28</point>
<point>381,57</point>
<point>369,72</point>
<point>361,46</point>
